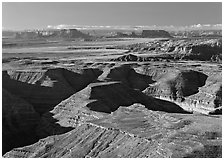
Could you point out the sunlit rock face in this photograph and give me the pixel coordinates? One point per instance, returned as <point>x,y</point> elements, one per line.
<point>111,97</point>
<point>198,49</point>
<point>132,131</point>
<point>192,90</point>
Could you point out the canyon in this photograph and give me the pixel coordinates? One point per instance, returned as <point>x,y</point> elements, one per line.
<point>156,96</point>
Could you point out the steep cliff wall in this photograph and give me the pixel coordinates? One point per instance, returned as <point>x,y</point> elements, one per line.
<point>192,90</point>
<point>45,89</point>
<point>19,120</point>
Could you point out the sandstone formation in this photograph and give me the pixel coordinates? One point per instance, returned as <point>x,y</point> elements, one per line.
<point>114,97</point>
<point>129,132</point>
<point>199,49</point>
<point>192,90</point>
<point>101,97</point>
<point>128,76</point>
<point>177,84</point>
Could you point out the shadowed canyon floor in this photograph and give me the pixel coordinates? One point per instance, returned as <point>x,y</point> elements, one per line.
<point>125,101</point>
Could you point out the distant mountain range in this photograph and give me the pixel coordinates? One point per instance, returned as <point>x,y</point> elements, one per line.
<point>45,34</point>
<point>129,27</point>
<point>74,33</point>
<point>86,32</point>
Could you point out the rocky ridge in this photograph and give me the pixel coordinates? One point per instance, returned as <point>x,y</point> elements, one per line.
<point>128,132</point>
<point>134,99</point>
<point>46,88</point>
<point>195,49</point>
<point>194,91</point>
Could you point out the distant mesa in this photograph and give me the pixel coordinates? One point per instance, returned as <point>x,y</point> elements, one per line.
<point>74,33</point>
<point>155,34</point>
<point>63,33</point>
<point>144,34</point>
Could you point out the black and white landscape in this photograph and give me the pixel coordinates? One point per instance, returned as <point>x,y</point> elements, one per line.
<point>111,91</point>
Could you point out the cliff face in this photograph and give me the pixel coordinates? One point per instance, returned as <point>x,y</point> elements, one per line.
<point>116,110</point>
<point>192,90</point>
<point>210,50</point>
<point>19,120</point>
<point>194,49</point>
<point>178,84</point>
<point>128,76</point>
<point>45,89</point>
<point>115,89</point>
<point>95,100</point>
<point>34,93</point>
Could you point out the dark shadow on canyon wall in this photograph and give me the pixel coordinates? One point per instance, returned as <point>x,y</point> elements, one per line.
<point>42,99</point>
<point>108,98</point>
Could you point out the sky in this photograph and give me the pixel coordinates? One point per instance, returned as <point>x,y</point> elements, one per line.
<point>38,15</point>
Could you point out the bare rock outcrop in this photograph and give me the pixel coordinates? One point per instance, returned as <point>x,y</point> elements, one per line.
<point>132,132</point>
<point>200,50</point>
<point>128,76</point>
<point>195,49</point>
<point>146,98</point>
<point>178,84</point>
<point>96,100</point>
<point>192,90</point>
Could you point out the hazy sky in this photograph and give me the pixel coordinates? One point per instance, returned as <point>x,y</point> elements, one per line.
<point>31,15</point>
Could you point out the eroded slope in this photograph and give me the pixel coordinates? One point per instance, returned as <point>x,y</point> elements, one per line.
<point>132,132</point>
<point>80,102</point>
<point>46,88</point>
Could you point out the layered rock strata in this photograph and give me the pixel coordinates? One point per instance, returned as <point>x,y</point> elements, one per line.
<point>130,132</point>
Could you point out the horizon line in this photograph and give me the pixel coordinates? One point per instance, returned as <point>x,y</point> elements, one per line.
<point>123,27</point>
